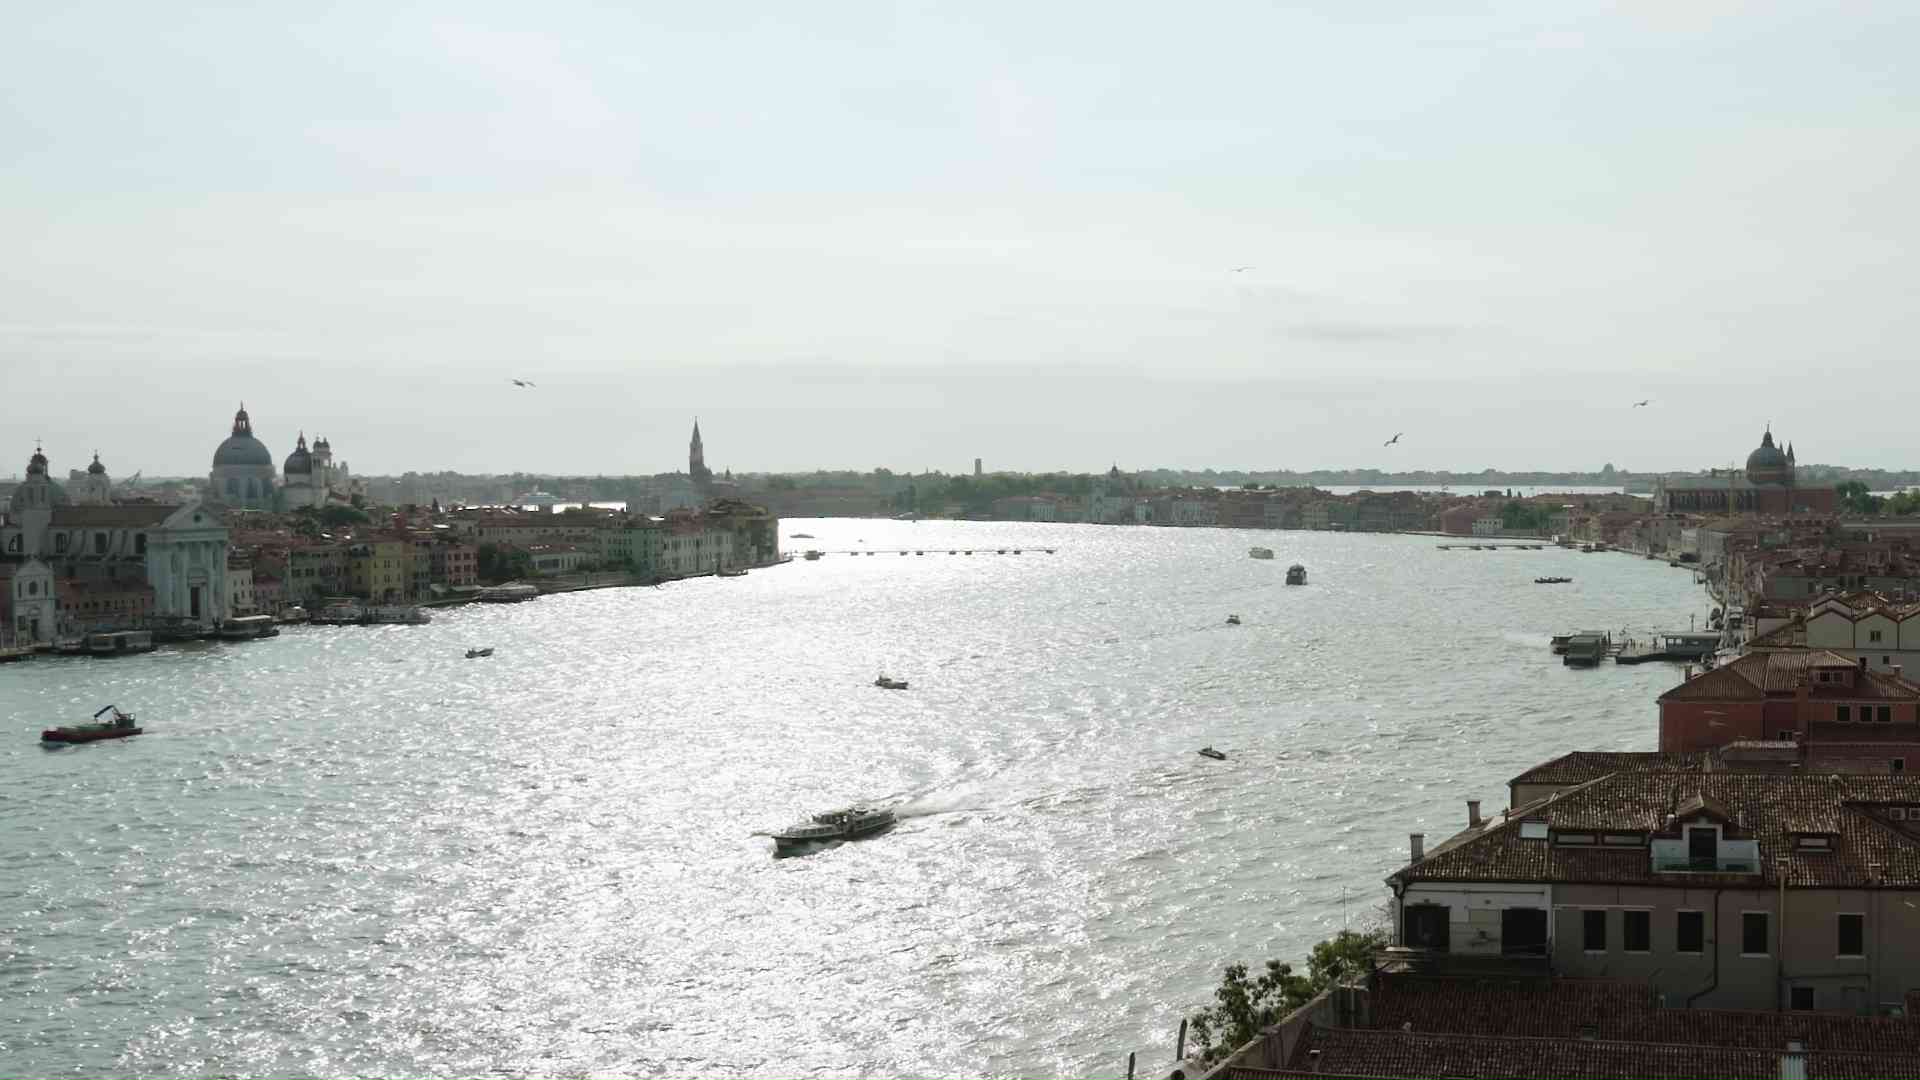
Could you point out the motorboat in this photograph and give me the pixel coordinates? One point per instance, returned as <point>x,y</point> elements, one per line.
<point>119,726</point>
<point>1233,620</point>
<point>1552,580</point>
<point>801,536</point>
<point>1210,752</point>
<point>852,823</point>
<point>475,654</point>
<point>812,555</point>
<point>885,683</point>
<point>248,627</point>
<point>1296,574</point>
<point>120,643</point>
<point>1260,553</point>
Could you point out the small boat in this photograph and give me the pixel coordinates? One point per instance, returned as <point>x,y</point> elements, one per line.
<point>120,643</point>
<point>1296,574</point>
<point>801,536</point>
<point>1210,752</point>
<point>736,572</point>
<point>1552,580</point>
<point>1260,553</point>
<point>294,614</point>
<point>852,823</point>
<point>513,592</point>
<point>120,726</point>
<point>1233,620</point>
<point>812,555</point>
<point>475,654</point>
<point>885,683</point>
<point>248,627</point>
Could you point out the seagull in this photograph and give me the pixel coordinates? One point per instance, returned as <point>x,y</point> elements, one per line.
<point>1241,269</point>
<point>1395,439</point>
<point>521,383</point>
<point>1637,404</point>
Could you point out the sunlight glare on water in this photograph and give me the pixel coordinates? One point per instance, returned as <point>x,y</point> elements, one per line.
<point>352,851</point>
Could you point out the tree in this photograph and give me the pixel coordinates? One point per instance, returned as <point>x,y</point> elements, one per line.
<point>1854,498</point>
<point>502,562</point>
<point>335,515</point>
<point>1243,1008</point>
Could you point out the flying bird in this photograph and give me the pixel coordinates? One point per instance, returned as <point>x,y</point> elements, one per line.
<point>1241,269</point>
<point>1637,404</point>
<point>521,383</point>
<point>1395,439</point>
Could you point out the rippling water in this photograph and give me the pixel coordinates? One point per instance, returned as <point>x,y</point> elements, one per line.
<point>353,851</point>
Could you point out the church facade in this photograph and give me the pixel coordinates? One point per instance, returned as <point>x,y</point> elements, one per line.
<point>1768,487</point>
<point>53,546</point>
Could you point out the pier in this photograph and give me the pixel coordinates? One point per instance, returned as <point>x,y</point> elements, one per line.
<point>1494,545</point>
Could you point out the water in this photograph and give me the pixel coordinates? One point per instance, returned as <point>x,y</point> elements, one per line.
<point>351,851</point>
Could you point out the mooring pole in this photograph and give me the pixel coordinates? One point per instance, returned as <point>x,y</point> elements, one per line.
<point>1129,1065</point>
<point>1180,1045</point>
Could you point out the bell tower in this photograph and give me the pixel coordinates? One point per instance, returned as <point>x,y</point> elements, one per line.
<point>697,457</point>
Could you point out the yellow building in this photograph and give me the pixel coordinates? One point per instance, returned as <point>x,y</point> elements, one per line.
<point>381,569</point>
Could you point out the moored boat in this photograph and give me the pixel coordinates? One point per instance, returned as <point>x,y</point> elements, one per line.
<point>119,643</point>
<point>294,614</point>
<point>119,726</point>
<point>512,592</point>
<point>1260,553</point>
<point>852,823</point>
<point>885,683</point>
<point>248,627</point>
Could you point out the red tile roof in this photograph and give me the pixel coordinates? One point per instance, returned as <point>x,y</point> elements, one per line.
<point>1581,766</point>
<point>1773,807</point>
<point>1756,675</point>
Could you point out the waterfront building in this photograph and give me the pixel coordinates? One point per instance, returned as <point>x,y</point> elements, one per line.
<point>558,558</point>
<point>269,591</point>
<point>1830,705</point>
<point>380,569</point>
<point>1864,627</point>
<point>1768,486</point>
<point>1745,890</point>
<point>32,612</point>
<point>453,563</point>
<point>240,599</point>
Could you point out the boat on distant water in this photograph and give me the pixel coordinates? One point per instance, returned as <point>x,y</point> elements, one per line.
<point>812,555</point>
<point>294,614</point>
<point>1210,752</point>
<point>852,823</point>
<point>119,726</point>
<point>1260,553</point>
<point>513,592</point>
<point>1296,574</point>
<point>885,683</point>
<point>475,654</point>
<point>339,613</point>
<point>350,613</point>
<point>119,643</point>
<point>248,627</point>
<point>801,536</point>
<point>1233,620</point>
<point>735,572</point>
<point>1552,580</point>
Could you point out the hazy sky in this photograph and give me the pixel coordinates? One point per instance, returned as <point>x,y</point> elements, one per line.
<point>856,234</point>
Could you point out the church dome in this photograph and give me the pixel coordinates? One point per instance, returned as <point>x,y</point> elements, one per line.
<point>241,448</point>
<point>37,464</point>
<point>1768,463</point>
<point>300,462</point>
<point>96,469</point>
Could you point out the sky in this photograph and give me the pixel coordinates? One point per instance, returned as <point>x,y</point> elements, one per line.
<point>867,234</point>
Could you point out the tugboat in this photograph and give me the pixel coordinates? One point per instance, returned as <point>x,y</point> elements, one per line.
<point>1296,574</point>
<point>121,726</point>
<point>1210,752</point>
<point>885,683</point>
<point>475,654</point>
<point>852,823</point>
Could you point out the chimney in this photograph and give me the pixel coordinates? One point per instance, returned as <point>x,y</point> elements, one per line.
<point>1473,813</point>
<point>1313,1061</point>
<point>1418,841</point>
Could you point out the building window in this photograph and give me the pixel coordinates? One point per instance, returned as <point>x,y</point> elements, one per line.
<point>1853,935</point>
<point>140,544</point>
<point>1843,713</point>
<point>1883,714</point>
<point>1803,998</point>
<point>1753,933</point>
<point>60,544</point>
<point>1596,930</point>
<point>1873,635</point>
<point>99,543</point>
<point>1637,931</point>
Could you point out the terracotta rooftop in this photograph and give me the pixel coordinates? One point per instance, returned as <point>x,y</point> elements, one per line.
<point>1581,766</point>
<point>1772,808</point>
<point>1756,675</point>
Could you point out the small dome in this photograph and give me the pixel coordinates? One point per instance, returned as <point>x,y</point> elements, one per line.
<point>300,462</point>
<point>97,469</point>
<point>37,464</point>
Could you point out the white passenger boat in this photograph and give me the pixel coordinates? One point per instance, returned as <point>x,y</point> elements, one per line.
<point>852,823</point>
